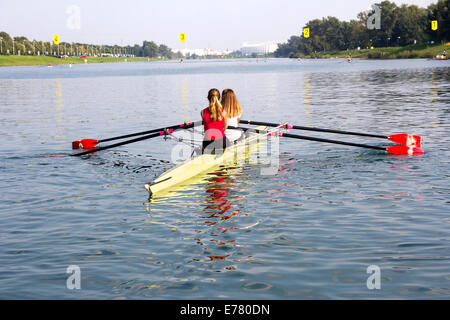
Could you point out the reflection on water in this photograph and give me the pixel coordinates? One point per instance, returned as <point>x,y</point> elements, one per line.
<point>308,232</point>
<point>219,207</point>
<point>307,95</point>
<point>184,100</point>
<point>59,111</point>
<point>224,219</point>
<point>434,89</point>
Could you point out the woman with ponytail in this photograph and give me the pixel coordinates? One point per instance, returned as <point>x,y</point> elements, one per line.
<point>215,123</point>
<point>234,112</point>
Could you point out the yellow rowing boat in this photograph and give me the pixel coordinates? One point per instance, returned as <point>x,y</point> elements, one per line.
<point>197,166</point>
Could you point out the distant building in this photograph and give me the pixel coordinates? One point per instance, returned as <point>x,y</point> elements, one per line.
<point>202,52</point>
<point>259,48</point>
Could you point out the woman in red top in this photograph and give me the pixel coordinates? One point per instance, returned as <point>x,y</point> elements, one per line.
<point>215,124</point>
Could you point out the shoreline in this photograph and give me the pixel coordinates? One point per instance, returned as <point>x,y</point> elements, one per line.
<point>417,51</point>
<point>386,53</point>
<point>22,61</point>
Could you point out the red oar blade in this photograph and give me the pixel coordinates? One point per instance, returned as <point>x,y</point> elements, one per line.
<point>404,150</point>
<point>76,145</point>
<point>406,139</point>
<point>86,144</point>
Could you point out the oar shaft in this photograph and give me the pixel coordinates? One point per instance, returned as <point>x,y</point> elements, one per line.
<point>138,134</point>
<point>158,134</point>
<point>287,135</point>
<point>294,136</point>
<point>258,123</point>
<point>116,145</point>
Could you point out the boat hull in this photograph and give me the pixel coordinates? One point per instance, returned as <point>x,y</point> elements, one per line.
<point>198,166</point>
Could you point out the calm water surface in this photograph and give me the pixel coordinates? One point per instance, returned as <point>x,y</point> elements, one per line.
<point>308,232</point>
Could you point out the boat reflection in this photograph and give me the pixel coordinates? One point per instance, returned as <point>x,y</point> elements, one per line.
<point>218,204</point>
<point>223,220</point>
<point>219,198</point>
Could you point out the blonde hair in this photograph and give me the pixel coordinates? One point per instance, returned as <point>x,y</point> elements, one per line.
<point>215,107</point>
<point>230,103</point>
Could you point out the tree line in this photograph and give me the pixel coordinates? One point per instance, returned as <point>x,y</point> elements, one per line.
<point>21,45</point>
<point>400,26</point>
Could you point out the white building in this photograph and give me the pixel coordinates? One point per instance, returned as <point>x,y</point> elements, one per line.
<point>259,48</point>
<point>202,52</point>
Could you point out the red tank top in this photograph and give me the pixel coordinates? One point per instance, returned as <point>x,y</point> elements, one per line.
<point>214,130</point>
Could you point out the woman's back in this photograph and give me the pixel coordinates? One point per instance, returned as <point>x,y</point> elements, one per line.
<point>233,122</point>
<point>214,129</point>
<point>214,123</point>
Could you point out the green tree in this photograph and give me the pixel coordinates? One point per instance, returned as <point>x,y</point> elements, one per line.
<point>165,51</point>
<point>288,49</point>
<point>402,25</point>
<point>410,25</point>
<point>355,34</point>
<point>440,12</point>
<point>6,42</point>
<point>22,44</point>
<point>150,49</point>
<point>389,18</point>
<point>137,51</point>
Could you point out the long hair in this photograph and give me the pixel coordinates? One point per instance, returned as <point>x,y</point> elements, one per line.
<point>230,103</point>
<point>215,107</point>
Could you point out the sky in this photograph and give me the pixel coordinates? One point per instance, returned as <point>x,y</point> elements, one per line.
<point>207,23</point>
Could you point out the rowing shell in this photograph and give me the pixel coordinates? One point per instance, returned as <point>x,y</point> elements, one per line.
<point>199,165</point>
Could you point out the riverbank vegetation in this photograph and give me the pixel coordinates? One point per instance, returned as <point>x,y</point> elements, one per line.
<point>22,51</point>
<point>407,26</point>
<point>423,51</point>
<point>11,60</point>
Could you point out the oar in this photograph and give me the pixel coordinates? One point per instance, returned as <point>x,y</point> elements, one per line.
<point>158,134</point>
<point>91,143</point>
<point>403,138</point>
<point>397,150</point>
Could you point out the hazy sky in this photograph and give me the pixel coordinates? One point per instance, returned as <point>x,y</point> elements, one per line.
<point>207,23</point>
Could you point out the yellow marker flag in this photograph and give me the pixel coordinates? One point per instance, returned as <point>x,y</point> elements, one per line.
<point>434,25</point>
<point>183,37</point>
<point>306,32</point>
<point>56,39</point>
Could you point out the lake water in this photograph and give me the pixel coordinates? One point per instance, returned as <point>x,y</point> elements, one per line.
<point>309,232</point>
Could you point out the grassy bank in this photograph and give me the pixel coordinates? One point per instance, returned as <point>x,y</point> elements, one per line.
<point>408,52</point>
<point>45,60</point>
